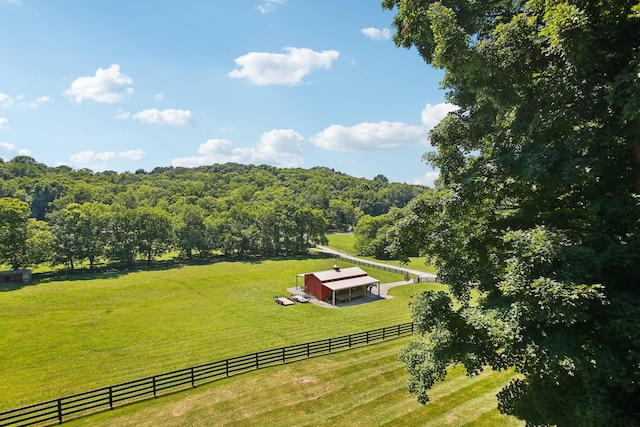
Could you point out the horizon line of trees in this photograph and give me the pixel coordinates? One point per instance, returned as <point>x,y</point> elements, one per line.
<point>94,233</point>
<point>60,216</point>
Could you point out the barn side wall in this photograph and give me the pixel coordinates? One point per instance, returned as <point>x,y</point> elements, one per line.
<point>315,287</point>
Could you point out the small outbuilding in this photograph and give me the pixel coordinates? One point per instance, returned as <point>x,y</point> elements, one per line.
<point>15,276</point>
<point>339,285</point>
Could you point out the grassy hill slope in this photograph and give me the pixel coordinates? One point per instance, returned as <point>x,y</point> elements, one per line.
<point>362,387</point>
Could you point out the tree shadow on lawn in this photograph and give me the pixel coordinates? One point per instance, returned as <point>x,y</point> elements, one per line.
<point>115,271</point>
<point>102,272</point>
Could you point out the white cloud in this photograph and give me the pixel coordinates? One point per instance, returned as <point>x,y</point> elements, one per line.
<point>278,147</point>
<point>108,86</point>
<point>369,136</point>
<point>5,100</point>
<point>270,5</point>
<point>263,68</point>
<point>122,114</point>
<point>38,102</point>
<point>3,122</point>
<point>382,135</point>
<point>89,157</point>
<point>428,179</point>
<point>376,33</point>
<point>168,117</point>
<point>5,146</point>
<point>432,114</point>
<point>159,96</point>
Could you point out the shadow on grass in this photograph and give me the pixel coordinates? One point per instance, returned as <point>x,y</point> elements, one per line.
<point>114,271</point>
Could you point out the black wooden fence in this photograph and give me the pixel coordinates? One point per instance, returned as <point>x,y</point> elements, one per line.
<point>68,407</point>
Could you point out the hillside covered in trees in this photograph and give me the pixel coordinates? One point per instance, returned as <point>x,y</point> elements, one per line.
<point>61,216</point>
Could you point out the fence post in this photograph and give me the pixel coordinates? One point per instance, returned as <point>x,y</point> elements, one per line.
<point>56,405</point>
<point>60,411</point>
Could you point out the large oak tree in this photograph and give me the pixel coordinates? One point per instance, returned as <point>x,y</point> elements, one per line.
<point>537,205</point>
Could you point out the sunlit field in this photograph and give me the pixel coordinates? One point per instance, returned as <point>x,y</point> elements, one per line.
<point>70,335</point>
<point>361,387</point>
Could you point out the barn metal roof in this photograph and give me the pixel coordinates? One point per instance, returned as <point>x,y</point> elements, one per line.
<point>343,273</point>
<point>351,283</point>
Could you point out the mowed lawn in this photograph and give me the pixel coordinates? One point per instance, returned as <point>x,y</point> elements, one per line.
<point>71,335</point>
<point>361,387</point>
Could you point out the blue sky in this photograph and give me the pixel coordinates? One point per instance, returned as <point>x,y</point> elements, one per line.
<point>134,84</point>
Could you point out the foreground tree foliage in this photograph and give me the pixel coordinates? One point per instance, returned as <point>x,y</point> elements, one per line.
<point>537,206</point>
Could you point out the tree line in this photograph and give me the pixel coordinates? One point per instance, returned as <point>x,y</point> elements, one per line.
<point>61,216</point>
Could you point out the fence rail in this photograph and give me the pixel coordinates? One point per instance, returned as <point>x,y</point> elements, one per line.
<point>371,264</point>
<point>418,279</point>
<point>106,398</point>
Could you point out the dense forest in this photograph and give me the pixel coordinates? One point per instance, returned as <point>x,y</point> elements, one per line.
<point>61,216</point>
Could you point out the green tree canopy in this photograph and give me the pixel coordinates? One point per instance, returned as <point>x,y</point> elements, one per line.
<point>14,215</point>
<point>537,204</point>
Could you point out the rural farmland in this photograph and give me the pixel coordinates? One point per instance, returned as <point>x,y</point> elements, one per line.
<point>82,332</point>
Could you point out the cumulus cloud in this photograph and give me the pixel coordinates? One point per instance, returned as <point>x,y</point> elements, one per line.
<point>278,147</point>
<point>159,96</point>
<point>88,157</point>
<point>3,122</point>
<point>376,33</point>
<point>167,117</point>
<point>5,100</point>
<point>369,136</point>
<point>107,85</point>
<point>427,179</point>
<point>432,114</point>
<point>10,148</point>
<point>270,5</point>
<point>263,68</point>
<point>122,114</point>
<point>38,102</point>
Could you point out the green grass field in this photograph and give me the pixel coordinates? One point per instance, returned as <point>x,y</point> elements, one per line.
<point>361,387</point>
<point>344,242</point>
<point>61,337</point>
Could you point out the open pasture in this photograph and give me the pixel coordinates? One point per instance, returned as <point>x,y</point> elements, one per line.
<point>70,335</point>
<point>360,387</point>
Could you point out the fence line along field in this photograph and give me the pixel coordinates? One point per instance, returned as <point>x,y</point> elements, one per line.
<point>66,336</point>
<point>68,407</point>
<point>361,387</point>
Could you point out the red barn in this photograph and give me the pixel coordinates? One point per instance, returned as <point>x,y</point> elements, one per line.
<point>339,285</point>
